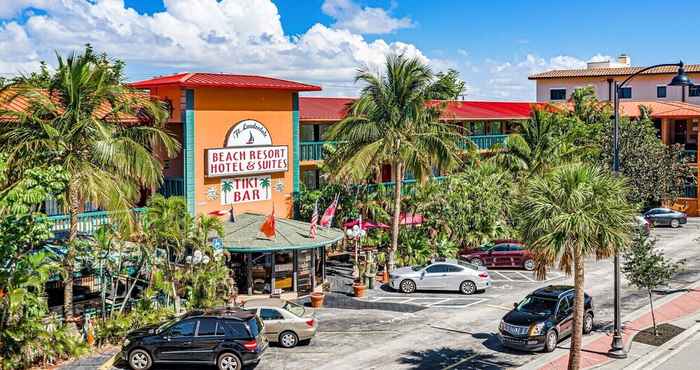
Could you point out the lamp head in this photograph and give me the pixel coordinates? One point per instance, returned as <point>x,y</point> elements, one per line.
<point>681,78</point>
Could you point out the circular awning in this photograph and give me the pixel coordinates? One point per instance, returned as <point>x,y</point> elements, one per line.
<point>244,235</point>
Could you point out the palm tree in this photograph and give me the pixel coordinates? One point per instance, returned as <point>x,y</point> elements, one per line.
<point>393,121</point>
<point>575,212</point>
<point>75,123</point>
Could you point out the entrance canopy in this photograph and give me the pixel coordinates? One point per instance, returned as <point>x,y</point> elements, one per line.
<point>244,235</point>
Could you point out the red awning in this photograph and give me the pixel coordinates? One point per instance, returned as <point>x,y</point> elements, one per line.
<point>366,225</point>
<point>410,219</point>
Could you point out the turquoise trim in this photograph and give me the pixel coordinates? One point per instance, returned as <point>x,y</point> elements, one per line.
<point>295,141</point>
<point>251,249</point>
<point>88,222</point>
<point>189,150</point>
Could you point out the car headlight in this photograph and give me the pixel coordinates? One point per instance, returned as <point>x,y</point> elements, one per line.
<point>536,329</point>
<point>502,326</point>
<point>126,342</point>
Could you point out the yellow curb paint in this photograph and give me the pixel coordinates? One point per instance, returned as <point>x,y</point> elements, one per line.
<point>109,363</point>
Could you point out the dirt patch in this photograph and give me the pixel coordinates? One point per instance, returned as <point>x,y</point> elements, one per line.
<point>665,333</point>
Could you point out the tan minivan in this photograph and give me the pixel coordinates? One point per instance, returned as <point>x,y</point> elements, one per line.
<point>285,322</point>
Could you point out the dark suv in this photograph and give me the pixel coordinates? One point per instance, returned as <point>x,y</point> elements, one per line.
<point>228,339</point>
<point>544,317</point>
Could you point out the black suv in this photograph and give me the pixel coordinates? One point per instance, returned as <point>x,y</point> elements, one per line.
<point>544,317</point>
<point>228,339</point>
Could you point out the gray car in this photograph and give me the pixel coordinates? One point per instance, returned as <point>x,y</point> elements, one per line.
<point>285,322</point>
<point>449,275</point>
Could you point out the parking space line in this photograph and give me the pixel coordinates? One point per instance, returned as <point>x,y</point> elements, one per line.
<point>460,362</point>
<point>408,300</point>
<point>438,302</point>
<point>523,275</point>
<point>502,275</point>
<point>460,306</point>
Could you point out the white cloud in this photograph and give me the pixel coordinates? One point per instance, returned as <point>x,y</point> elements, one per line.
<point>363,20</point>
<point>239,36</point>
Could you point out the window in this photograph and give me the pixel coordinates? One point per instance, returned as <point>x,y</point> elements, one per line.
<point>270,314</point>
<point>454,268</point>
<point>238,330</point>
<point>557,94</point>
<point>660,91</point>
<point>693,90</point>
<point>565,305</point>
<point>183,329</point>
<point>208,327</point>
<point>310,179</point>
<point>501,248</point>
<point>515,247</point>
<point>436,269</point>
<point>625,93</point>
<point>307,132</point>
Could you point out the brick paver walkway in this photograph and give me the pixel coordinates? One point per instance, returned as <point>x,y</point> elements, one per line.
<point>595,353</point>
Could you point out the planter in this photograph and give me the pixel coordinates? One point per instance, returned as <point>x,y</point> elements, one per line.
<point>359,290</point>
<point>370,281</point>
<point>317,300</point>
<point>386,276</point>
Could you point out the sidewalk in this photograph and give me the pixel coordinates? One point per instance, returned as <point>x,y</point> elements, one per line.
<point>679,308</point>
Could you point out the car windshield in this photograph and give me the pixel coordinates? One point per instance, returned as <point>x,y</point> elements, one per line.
<point>537,305</point>
<point>486,247</point>
<point>294,308</point>
<point>419,267</point>
<point>164,326</point>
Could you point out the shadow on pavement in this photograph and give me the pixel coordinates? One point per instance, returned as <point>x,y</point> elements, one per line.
<point>454,358</point>
<point>122,365</point>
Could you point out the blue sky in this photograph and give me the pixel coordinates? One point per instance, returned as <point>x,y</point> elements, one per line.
<point>494,44</point>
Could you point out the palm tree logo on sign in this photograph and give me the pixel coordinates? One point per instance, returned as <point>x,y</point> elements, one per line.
<point>265,184</point>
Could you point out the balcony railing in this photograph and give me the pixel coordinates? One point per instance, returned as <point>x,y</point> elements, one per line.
<point>172,186</point>
<point>484,142</point>
<point>689,191</point>
<point>691,156</point>
<point>88,222</point>
<point>313,150</point>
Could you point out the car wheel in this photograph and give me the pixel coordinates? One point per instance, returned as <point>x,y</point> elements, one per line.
<point>229,361</point>
<point>140,360</point>
<point>587,323</point>
<point>550,341</point>
<point>476,261</point>
<point>675,223</point>
<point>408,286</point>
<point>529,264</point>
<point>288,339</point>
<point>467,287</point>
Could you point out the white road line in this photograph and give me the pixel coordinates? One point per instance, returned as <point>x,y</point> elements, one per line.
<point>500,307</point>
<point>460,362</point>
<point>408,300</point>
<point>503,276</point>
<point>438,302</point>
<point>525,276</point>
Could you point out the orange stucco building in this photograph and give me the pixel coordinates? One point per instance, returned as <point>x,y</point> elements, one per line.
<point>240,138</point>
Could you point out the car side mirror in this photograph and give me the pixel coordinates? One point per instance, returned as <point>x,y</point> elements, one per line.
<point>515,304</point>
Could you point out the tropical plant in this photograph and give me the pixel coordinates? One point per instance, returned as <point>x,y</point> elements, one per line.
<point>468,208</point>
<point>647,268</point>
<point>393,121</point>
<point>575,212</point>
<point>74,122</point>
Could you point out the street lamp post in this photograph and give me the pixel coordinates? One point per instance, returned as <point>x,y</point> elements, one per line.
<point>617,349</point>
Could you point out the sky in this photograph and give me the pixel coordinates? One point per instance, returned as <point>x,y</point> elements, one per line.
<point>494,45</point>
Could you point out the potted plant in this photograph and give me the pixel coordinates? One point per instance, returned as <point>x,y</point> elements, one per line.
<point>317,299</point>
<point>358,287</point>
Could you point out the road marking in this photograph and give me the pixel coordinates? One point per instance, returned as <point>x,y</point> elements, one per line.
<point>503,276</point>
<point>460,362</point>
<point>500,307</point>
<point>460,306</point>
<point>523,275</point>
<point>438,302</point>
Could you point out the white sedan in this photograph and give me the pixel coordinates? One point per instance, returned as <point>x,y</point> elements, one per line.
<point>449,275</point>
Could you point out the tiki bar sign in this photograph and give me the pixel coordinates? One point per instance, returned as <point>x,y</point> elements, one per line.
<point>248,151</point>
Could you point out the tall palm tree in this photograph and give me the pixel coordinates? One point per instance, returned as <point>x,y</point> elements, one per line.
<point>75,123</point>
<point>393,121</point>
<point>575,212</point>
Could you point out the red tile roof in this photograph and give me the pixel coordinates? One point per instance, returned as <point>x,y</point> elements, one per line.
<point>191,80</point>
<point>334,109</point>
<point>611,71</point>
<point>670,109</point>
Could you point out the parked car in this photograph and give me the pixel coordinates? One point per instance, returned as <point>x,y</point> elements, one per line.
<point>448,275</point>
<point>229,339</point>
<point>543,318</point>
<point>665,216</point>
<point>501,254</point>
<point>285,322</point>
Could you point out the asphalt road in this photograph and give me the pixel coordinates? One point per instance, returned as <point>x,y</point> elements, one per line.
<point>441,337</point>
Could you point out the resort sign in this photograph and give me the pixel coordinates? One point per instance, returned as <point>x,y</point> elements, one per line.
<point>245,189</point>
<point>248,151</point>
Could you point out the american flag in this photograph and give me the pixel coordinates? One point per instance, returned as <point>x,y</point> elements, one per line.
<point>314,222</point>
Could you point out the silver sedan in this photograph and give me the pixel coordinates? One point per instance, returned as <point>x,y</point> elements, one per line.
<point>450,275</point>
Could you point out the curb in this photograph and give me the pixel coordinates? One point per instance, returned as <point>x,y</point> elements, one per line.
<point>666,350</point>
<point>546,359</point>
<point>109,363</point>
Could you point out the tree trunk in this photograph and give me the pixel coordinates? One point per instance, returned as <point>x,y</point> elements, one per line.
<point>398,177</point>
<point>131,288</point>
<point>653,318</point>
<point>577,329</point>
<point>69,261</point>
